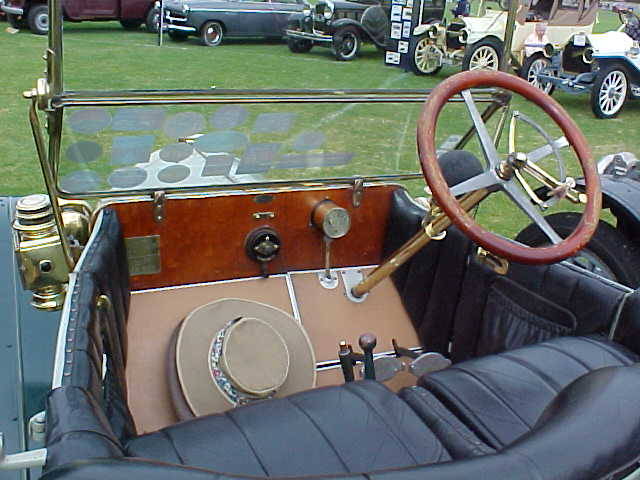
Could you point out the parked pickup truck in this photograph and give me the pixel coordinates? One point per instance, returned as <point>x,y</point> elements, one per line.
<point>35,13</point>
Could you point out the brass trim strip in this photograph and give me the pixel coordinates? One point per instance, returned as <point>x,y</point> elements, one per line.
<point>230,96</point>
<point>246,187</point>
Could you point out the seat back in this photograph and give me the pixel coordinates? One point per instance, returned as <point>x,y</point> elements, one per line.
<point>529,305</point>
<point>88,403</point>
<point>462,307</point>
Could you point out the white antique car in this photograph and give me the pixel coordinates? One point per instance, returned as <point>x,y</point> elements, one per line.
<point>476,41</point>
<point>607,65</point>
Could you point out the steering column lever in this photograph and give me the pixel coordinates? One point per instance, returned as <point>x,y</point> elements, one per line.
<point>439,224</point>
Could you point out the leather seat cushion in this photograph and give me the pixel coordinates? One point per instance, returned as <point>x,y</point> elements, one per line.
<point>356,427</point>
<point>501,397</point>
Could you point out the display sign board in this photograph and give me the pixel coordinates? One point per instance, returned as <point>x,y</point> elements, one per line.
<point>404,18</point>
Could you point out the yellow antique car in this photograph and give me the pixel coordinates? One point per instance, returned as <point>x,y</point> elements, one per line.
<point>477,41</point>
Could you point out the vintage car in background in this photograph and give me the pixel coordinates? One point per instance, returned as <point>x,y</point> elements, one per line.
<point>214,20</point>
<point>203,260</point>
<point>476,41</point>
<point>34,14</point>
<point>606,65</point>
<point>344,25</point>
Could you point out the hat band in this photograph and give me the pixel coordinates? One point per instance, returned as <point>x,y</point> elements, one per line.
<point>232,394</point>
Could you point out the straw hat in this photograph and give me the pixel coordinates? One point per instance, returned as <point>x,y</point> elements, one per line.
<point>231,352</point>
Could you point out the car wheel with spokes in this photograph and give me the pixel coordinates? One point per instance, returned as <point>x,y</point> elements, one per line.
<point>483,55</point>
<point>426,58</point>
<point>38,19</point>
<point>532,67</point>
<point>211,34</point>
<point>610,91</point>
<point>346,43</point>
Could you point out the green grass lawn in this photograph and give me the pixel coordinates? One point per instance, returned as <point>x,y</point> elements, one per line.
<point>104,56</point>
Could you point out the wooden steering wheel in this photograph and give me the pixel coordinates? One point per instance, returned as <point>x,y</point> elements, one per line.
<point>504,170</point>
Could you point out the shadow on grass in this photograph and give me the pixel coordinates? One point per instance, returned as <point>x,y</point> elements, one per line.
<point>71,28</point>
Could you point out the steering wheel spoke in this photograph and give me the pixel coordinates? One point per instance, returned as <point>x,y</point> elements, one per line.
<point>486,142</point>
<point>531,210</point>
<point>486,179</point>
<point>550,148</point>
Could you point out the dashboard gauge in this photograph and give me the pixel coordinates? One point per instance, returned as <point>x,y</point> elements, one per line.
<point>332,220</point>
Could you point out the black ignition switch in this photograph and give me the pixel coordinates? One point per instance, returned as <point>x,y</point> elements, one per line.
<point>262,246</point>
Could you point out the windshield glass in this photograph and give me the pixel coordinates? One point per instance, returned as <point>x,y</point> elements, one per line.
<point>134,148</point>
<point>159,147</point>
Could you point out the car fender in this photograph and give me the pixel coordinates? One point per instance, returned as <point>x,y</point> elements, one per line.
<point>480,28</point>
<point>296,18</point>
<point>632,68</point>
<point>423,27</point>
<point>197,20</point>
<point>486,37</point>
<point>343,22</point>
<point>622,196</point>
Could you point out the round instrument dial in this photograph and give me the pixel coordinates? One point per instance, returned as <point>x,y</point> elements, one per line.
<point>334,221</point>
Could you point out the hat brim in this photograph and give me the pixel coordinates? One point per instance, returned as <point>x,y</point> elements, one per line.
<point>193,343</point>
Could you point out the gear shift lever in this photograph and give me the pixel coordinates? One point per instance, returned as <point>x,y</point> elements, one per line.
<point>345,354</point>
<point>348,357</point>
<point>368,342</point>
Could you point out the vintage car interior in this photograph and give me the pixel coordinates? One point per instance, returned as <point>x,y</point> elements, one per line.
<point>235,303</point>
<point>229,317</point>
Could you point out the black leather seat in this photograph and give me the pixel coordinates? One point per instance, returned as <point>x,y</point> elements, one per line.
<point>590,430</point>
<point>357,427</point>
<point>501,397</point>
<point>473,409</point>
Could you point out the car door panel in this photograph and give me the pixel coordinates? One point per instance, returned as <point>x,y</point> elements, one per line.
<point>280,15</point>
<point>251,18</point>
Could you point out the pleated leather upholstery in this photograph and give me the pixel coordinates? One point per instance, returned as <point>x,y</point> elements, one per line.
<point>500,397</point>
<point>357,427</point>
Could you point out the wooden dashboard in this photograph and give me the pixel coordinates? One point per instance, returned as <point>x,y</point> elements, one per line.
<point>203,239</point>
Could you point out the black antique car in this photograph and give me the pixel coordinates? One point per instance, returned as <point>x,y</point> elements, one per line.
<point>214,20</point>
<point>216,274</point>
<point>345,25</point>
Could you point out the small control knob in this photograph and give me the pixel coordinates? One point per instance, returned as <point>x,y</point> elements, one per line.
<point>368,342</point>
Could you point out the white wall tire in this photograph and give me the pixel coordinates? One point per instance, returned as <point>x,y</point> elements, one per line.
<point>38,19</point>
<point>346,43</point>
<point>211,34</point>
